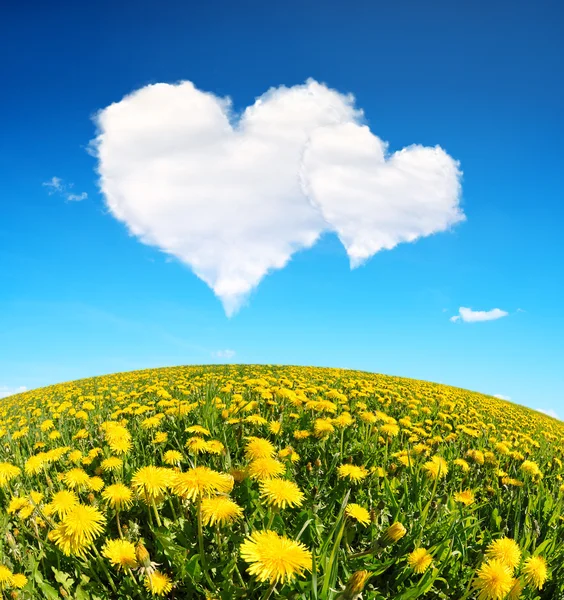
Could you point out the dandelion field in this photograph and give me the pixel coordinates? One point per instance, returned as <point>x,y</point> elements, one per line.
<point>256,482</point>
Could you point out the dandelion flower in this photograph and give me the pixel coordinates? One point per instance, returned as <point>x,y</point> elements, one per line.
<point>466,497</point>
<point>323,427</point>
<point>394,533</point>
<point>494,580</point>
<point>198,429</point>
<point>266,468</point>
<point>6,577</point>
<point>96,484</point>
<point>62,502</point>
<point>353,472</point>
<point>460,462</point>
<point>505,550</point>
<point>113,463</point>
<point>172,457</point>
<point>152,482</point>
<point>196,445</point>
<point>214,447</point>
<point>159,584</point>
<point>281,493</point>
<point>146,565</point>
<point>76,479</point>
<point>118,496</point>
<point>220,510</point>
<point>355,585</point>
<point>120,553</point>
<point>201,481</point>
<point>275,558</point>
<point>19,580</point>
<point>259,448</point>
<point>419,560</point>
<point>7,473</point>
<point>535,571</point>
<point>436,468</point>
<point>78,529</point>
<point>358,513</point>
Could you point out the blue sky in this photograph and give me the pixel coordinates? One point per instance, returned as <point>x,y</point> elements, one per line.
<point>79,296</point>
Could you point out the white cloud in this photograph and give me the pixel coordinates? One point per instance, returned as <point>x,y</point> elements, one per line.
<point>224,354</point>
<point>234,197</point>
<point>6,391</point>
<point>502,397</point>
<point>474,316</point>
<point>56,185</point>
<point>549,412</point>
<point>77,197</point>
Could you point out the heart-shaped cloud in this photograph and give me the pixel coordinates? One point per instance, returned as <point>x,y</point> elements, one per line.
<point>235,197</point>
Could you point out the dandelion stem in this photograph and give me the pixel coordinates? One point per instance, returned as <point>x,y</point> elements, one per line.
<point>203,560</point>
<point>269,591</point>
<point>159,523</point>
<point>118,524</point>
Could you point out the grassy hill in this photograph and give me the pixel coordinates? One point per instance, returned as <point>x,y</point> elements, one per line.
<point>277,482</point>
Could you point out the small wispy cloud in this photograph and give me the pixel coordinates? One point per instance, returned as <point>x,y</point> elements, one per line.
<point>549,412</point>
<point>58,186</point>
<point>475,316</point>
<point>6,391</point>
<point>224,354</point>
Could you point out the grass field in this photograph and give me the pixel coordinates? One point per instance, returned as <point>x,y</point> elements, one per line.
<point>244,482</point>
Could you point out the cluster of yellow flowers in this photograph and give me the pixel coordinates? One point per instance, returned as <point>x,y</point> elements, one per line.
<point>247,481</point>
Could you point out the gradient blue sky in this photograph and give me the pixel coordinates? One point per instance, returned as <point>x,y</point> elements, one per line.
<point>80,297</point>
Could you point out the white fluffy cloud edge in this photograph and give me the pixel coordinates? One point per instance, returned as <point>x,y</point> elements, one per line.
<point>467,315</point>
<point>234,196</point>
<point>6,391</point>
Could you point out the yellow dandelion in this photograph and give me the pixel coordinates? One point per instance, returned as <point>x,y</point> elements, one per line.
<point>172,457</point>
<point>436,468</point>
<point>259,448</point>
<point>353,472</point>
<point>6,577</point>
<point>466,497</point>
<point>196,445</point>
<point>419,560</point>
<point>214,447</point>
<point>198,429</point>
<point>281,493</point>
<point>78,529</point>
<point>323,427</point>
<point>113,463</point>
<point>494,580</point>
<point>358,513</point>
<point>120,553</point>
<point>220,510</point>
<point>19,580</point>
<point>393,533</point>
<point>355,585</point>
<point>535,571</point>
<point>76,479</point>
<point>460,462</point>
<point>266,468</point>
<point>151,483</point>
<point>118,496</point>
<point>275,558</point>
<point>96,484</point>
<point>159,584</point>
<point>505,550</point>
<point>62,502</point>
<point>201,481</point>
